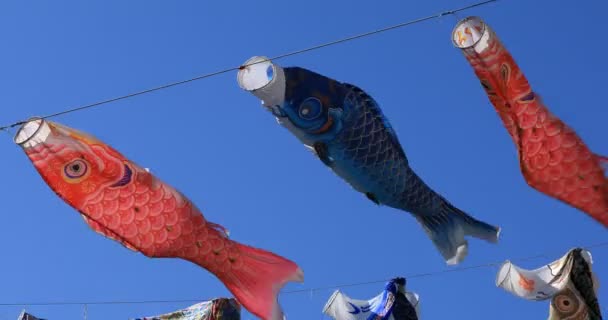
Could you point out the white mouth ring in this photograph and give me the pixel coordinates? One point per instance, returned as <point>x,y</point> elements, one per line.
<point>34,131</point>
<point>256,73</point>
<point>466,33</point>
<point>264,79</point>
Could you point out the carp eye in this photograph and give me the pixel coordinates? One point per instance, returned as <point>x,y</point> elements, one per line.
<point>566,304</point>
<point>310,109</point>
<point>75,169</point>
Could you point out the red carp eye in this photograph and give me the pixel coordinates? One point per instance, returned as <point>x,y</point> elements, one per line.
<point>76,169</point>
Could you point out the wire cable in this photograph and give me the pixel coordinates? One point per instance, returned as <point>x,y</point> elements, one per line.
<point>281,56</point>
<point>418,275</point>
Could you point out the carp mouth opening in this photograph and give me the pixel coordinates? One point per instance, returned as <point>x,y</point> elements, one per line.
<point>256,73</point>
<point>468,32</point>
<point>503,273</point>
<point>32,132</point>
<point>264,79</point>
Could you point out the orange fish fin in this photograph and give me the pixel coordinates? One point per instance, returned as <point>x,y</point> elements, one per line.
<point>97,227</point>
<point>256,278</point>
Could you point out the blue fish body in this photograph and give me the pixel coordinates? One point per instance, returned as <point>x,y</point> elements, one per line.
<point>348,132</point>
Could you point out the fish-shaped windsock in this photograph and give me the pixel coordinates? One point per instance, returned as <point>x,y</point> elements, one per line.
<point>394,303</point>
<point>569,282</point>
<point>123,201</point>
<point>553,158</point>
<point>216,309</point>
<point>26,316</point>
<point>345,128</point>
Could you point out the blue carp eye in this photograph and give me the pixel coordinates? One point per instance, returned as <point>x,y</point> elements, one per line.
<point>270,72</point>
<point>310,109</point>
<point>75,169</point>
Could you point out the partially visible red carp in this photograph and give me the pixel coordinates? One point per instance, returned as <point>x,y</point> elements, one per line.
<point>553,158</point>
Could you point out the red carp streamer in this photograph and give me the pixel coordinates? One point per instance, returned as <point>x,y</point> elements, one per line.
<point>553,158</point>
<point>124,202</point>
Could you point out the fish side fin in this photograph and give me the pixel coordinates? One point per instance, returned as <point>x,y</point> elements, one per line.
<point>257,280</point>
<point>321,151</point>
<point>448,229</point>
<point>372,197</point>
<point>100,229</point>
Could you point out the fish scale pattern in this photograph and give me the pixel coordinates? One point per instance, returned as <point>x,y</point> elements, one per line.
<point>144,214</point>
<point>371,148</point>
<point>368,140</point>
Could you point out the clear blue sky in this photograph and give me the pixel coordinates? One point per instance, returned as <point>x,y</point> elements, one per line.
<point>215,143</point>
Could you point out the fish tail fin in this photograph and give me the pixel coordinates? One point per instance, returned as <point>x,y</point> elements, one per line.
<point>256,277</point>
<point>448,228</point>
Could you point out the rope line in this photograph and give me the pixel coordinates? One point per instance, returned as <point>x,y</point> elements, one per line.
<point>281,56</point>
<point>418,275</point>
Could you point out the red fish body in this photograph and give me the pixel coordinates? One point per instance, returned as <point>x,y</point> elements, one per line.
<point>122,201</point>
<point>553,158</point>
